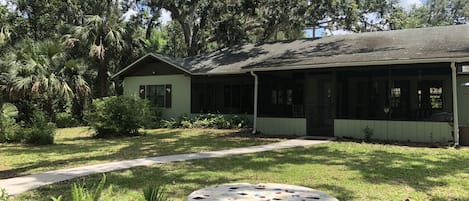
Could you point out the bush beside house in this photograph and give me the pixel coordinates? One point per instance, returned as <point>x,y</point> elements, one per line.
<point>118,116</point>
<point>217,121</point>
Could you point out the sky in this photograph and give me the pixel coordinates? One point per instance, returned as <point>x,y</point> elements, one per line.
<point>407,4</point>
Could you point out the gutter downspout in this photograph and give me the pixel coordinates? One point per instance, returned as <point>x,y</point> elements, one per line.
<point>256,89</point>
<point>455,104</point>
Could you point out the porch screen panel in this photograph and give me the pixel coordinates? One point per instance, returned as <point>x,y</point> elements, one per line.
<point>222,96</point>
<point>401,94</point>
<point>281,94</point>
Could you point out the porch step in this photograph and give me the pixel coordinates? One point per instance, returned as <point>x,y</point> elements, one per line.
<point>318,138</point>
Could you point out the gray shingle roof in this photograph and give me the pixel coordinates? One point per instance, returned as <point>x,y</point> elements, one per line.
<point>401,45</point>
<point>444,44</point>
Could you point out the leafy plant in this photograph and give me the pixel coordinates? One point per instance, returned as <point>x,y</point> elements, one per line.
<point>119,116</point>
<point>4,195</point>
<point>8,127</point>
<point>369,132</point>
<point>155,118</point>
<point>169,123</point>
<point>65,120</point>
<point>156,193</point>
<point>81,193</point>
<point>41,131</point>
<point>239,121</point>
<point>56,198</point>
<point>218,121</point>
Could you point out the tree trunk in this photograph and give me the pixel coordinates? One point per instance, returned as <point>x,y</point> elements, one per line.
<point>187,31</point>
<point>49,109</point>
<point>101,88</point>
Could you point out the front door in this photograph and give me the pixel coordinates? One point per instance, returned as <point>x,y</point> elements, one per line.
<point>320,104</point>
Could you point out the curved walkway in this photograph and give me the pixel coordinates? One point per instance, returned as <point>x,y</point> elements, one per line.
<point>17,185</point>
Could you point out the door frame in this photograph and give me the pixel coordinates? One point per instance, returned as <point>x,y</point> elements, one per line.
<point>312,98</point>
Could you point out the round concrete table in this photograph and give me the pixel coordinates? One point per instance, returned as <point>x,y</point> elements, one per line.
<point>258,192</point>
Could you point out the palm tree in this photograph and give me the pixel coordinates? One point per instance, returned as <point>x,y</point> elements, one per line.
<point>39,72</point>
<point>74,72</point>
<point>102,36</point>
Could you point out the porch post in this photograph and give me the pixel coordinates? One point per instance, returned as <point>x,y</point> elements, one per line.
<point>455,104</point>
<point>256,89</point>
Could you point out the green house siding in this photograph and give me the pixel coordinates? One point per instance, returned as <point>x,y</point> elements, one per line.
<point>282,126</point>
<point>463,100</point>
<point>181,91</point>
<point>428,132</point>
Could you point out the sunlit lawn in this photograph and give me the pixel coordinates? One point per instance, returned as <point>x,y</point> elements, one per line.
<point>349,171</point>
<point>75,147</point>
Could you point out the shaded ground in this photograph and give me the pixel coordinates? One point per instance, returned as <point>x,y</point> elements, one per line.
<point>346,170</point>
<point>75,147</point>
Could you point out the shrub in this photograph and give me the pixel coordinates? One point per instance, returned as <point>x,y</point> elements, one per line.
<point>41,131</point>
<point>118,116</point>
<point>8,127</point>
<point>65,120</point>
<point>206,121</point>
<point>368,133</point>
<point>239,121</point>
<point>154,118</point>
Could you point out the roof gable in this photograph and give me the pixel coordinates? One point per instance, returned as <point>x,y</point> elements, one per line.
<point>152,64</point>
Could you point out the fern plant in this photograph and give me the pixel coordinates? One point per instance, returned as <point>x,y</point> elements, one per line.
<point>56,198</point>
<point>81,193</point>
<point>155,193</point>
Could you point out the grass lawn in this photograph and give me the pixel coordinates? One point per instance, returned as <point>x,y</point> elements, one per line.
<point>75,147</point>
<point>346,170</point>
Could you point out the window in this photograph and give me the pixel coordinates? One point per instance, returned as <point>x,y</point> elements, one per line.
<point>158,95</point>
<point>274,97</point>
<point>282,97</point>
<point>436,97</point>
<point>395,97</point>
<point>289,97</point>
<point>430,95</point>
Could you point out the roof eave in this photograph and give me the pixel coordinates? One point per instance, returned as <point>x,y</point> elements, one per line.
<point>355,64</point>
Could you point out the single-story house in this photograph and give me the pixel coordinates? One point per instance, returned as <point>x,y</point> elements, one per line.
<point>406,85</point>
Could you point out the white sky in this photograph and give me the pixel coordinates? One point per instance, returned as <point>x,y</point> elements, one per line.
<point>407,4</point>
<point>164,19</point>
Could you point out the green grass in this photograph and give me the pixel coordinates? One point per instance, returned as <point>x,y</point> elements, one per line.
<point>75,147</point>
<point>346,170</point>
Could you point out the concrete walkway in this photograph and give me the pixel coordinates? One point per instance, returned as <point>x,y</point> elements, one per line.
<point>17,185</point>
